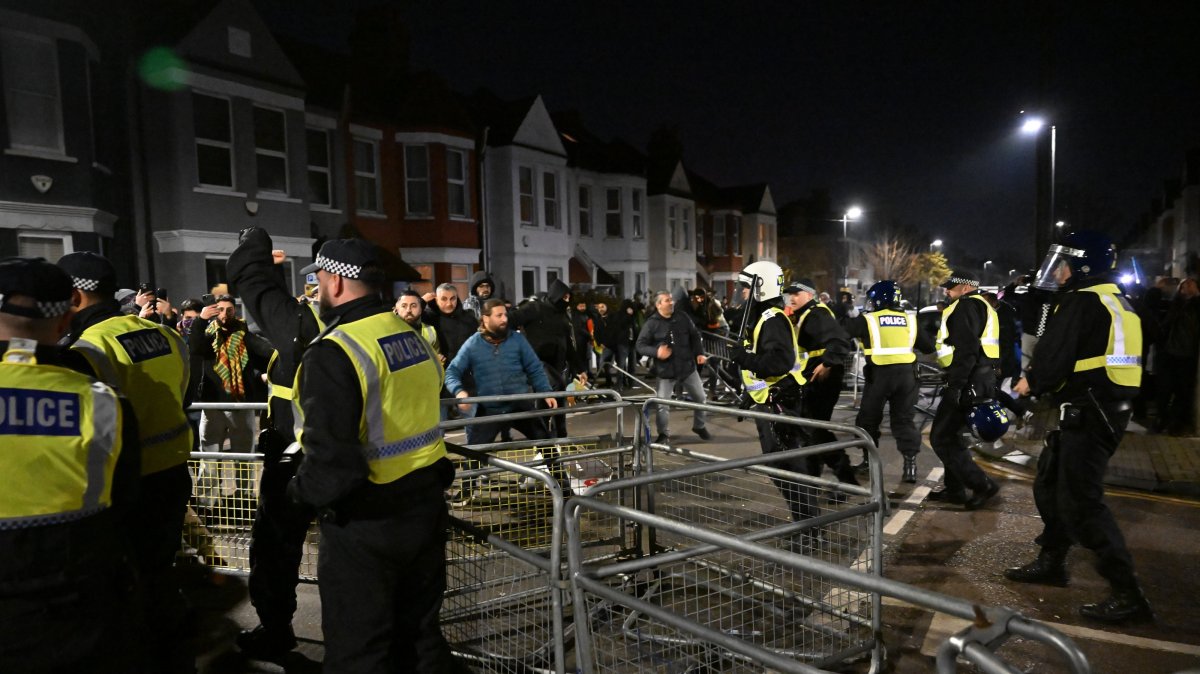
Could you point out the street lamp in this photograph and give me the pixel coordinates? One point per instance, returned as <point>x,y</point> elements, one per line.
<point>1046,151</point>
<point>935,243</point>
<point>986,263</point>
<point>853,213</point>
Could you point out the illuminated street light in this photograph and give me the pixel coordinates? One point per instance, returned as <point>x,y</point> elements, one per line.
<point>1046,159</point>
<point>852,213</point>
<point>935,243</point>
<point>1033,125</point>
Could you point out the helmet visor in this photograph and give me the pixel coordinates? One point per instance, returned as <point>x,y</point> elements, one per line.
<point>1056,267</point>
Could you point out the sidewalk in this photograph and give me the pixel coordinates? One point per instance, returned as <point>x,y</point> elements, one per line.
<point>1150,462</point>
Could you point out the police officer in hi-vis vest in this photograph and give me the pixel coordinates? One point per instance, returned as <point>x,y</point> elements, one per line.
<point>375,469</point>
<point>968,349</point>
<point>889,335</point>
<point>148,364</point>
<point>772,377</point>
<point>69,457</point>
<point>280,525</point>
<point>1089,360</point>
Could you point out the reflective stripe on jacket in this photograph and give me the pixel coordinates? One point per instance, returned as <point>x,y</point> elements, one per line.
<point>1122,357</point>
<point>758,388</point>
<point>892,336</point>
<point>801,354</point>
<point>148,364</point>
<point>989,339</point>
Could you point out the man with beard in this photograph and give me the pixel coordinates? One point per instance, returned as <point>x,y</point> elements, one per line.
<point>481,289</point>
<point>454,325</point>
<point>548,327</point>
<point>605,338</point>
<point>409,307</point>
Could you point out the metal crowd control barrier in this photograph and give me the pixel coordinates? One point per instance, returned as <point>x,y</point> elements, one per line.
<point>724,380</point>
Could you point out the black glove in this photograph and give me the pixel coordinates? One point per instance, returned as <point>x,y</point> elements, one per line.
<point>250,232</point>
<point>739,355</point>
<point>967,397</point>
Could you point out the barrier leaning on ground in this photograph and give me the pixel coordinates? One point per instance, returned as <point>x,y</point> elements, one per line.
<point>666,559</point>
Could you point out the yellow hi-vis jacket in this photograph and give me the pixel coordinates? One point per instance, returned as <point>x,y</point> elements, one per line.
<point>1122,358</point>
<point>429,333</point>
<point>989,339</point>
<point>276,390</point>
<point>803,355</point>
<point>759,388</point>
<point>60,432</point>
<point>400,380</point>
<point>148,364</point>
<point>891,336</point>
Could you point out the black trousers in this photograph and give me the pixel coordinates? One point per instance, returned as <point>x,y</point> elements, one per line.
<point>946,435</point>
<point>896,386</point>
<point>773,437</point>
<point>277,545</point>
<point>820,397</point>
<point>382,582</point>
<point>158,533</point>
<point>1069,493</point>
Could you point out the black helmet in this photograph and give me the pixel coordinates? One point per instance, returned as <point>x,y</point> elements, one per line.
<point>883,295</point>
<point>1086,253</point>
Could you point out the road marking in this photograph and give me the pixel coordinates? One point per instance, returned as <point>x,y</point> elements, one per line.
<point>943,626</point>
<point>896,523</point>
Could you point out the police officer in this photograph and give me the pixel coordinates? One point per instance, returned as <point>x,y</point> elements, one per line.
<point>147,363</point>
<point>375,469</point>
<point>822,347</point>
<point>772,377</point>
<point>968,349</point>
<point>69,456</point>
<point>280,525</point>
<point>1089,358</point>
<point>889,335</point>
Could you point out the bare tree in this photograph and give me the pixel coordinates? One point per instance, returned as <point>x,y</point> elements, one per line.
<point>892,258</point>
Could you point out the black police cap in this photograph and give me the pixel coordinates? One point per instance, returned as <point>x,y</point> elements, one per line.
<point>46,288</point>
<point>960,278</point>
<point>801,285</point>
<point>347,258</point>
<point>90,271</point>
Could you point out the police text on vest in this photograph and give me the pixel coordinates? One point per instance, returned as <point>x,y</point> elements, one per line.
<point>33,412</point>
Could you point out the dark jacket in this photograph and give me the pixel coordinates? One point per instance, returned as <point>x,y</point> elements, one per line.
<point>1033,306</point>
<point>820,330</point>
<point>333,475</point>
<point>775,353</point>
<point>550,331</point>
<point>1182,334</point>
<point>474,303</point>
<point>454,329</point>
<point>1010,339</point>
<point>1077,330</point>
<point>606,329</point>
<point>206,381</point>
<point>289,325</point>
<point>627,325</point>
<point>962,332</point>
<point>677,332</point>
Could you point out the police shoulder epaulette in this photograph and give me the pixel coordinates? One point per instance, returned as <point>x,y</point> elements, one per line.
<point>768,312</point>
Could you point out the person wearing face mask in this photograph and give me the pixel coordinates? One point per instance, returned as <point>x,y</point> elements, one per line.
<point>547,325</point>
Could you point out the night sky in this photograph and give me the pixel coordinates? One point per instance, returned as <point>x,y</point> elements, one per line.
<point>910,110</point>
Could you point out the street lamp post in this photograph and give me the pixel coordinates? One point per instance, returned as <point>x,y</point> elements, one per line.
<point>936,243</point>
<point>986,264</point>
<point>853,213</point>
<point>1046,158</point>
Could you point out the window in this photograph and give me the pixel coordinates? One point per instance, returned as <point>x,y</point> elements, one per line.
<point>320,181</point>
<point>585,210</point>
<point>686,222</point>
<point>525,185</point>
<point>426,284</point>
<point>639,281</point>
<point>456,183</point>
<point>366,175</point>
<point>31,93</point>
<point>214,272</point>
<point>214,141</point>
<point>735,238</point>
<point>240,43</point>
<point>612,216</point>
<point>618,283</point>
<point>270,150</point>
<point>638,232</point>
<point>550,200</point>
<point>762,241</point>
<point>45,246</point>
<point>718,243</point>
<point>671,232</point>
<point>699,236</point>
<point>552,275</point>
<point>416,180</point>
<point>460,276</point>
<point>528,281</point>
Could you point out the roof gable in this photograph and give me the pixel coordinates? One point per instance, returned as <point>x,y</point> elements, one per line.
<point>234,37</point>
<point>537,130</point>
<point>679,180</point>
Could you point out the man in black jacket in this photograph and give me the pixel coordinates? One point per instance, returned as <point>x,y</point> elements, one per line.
<point>672,340</point>
<point>454,325</point>
<point>547,325</point>
<point>280,525</point>
<point>481,289</point>
<point>605,339</point>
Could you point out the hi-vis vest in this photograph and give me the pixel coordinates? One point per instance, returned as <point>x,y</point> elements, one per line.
<point>276,390</point>
<point>758,388</point>
<point>1122,358</point>
<point>990,339</point>
<point>803,355</point>
<point>892,335</point>
<point>148,364</point>
<point>400,379</point>
<point>61,436</point>
<point>429,333</point>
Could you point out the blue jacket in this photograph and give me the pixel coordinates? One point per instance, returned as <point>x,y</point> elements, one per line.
<point>499,369</point>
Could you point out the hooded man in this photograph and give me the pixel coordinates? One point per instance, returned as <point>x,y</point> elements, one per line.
<point>483,288</point>
<point>548,327</point>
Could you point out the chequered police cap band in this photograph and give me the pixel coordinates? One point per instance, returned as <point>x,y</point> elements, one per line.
<point>960,281</point>
<point>343,269</point>
<point>46,309</point>
<point>87,284</point>
<point>801,287</point>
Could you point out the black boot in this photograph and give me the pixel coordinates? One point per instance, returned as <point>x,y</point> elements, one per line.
<point>266,643</point>
<point>910,470</point>
<point>1123,606</point>
<point>1050,568</point>
<point>944,495</point>
<point>983,495</point>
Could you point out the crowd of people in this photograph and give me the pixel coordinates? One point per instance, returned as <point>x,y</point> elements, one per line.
<point>108,375</point>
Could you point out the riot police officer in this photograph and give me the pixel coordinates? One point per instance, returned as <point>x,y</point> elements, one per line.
<point>968,349</point>
<point>69,456</point>
<point>148,364</point>
<point>1089,358</point>
<point>889,335</point>
<point>772,376</point>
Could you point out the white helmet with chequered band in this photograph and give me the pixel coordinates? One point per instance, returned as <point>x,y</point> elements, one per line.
<point>765,280</point>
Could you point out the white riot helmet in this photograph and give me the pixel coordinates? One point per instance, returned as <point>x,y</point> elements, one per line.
<point>765,280</point>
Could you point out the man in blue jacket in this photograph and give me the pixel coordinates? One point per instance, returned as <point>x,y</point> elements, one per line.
<point>501,363</point>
